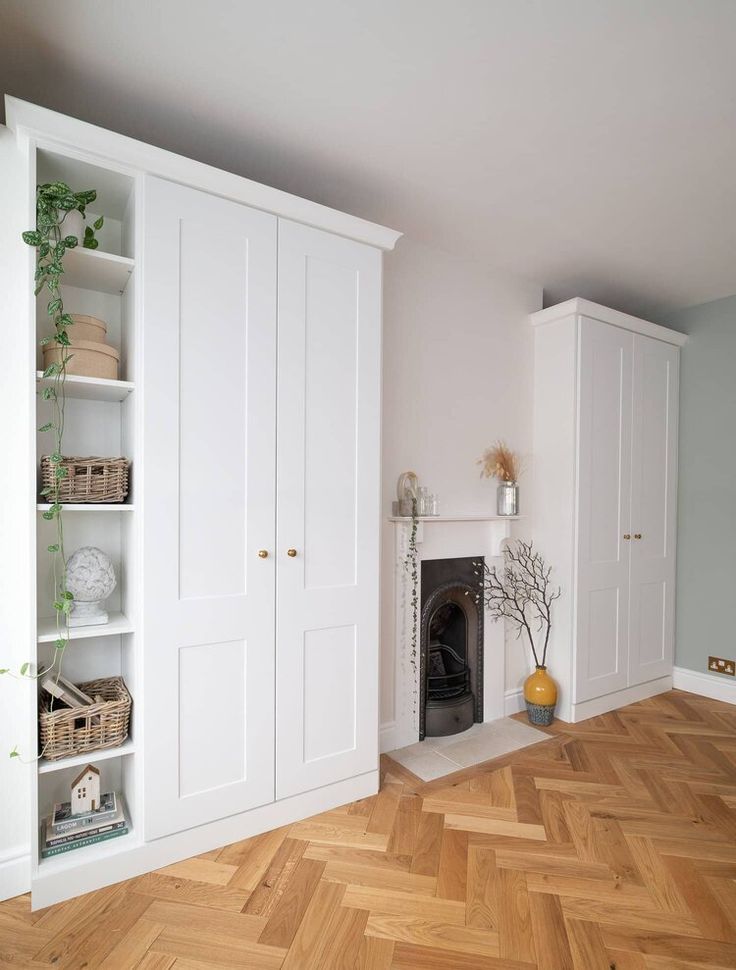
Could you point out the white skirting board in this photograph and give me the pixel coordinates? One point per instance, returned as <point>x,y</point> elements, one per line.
<point>513,701</point>
<point>15,872</point>
<point>619,698</point>
<point>145,857</point>
<point>707,685</point>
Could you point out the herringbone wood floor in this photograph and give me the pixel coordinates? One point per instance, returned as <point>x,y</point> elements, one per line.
<point>610,845</point>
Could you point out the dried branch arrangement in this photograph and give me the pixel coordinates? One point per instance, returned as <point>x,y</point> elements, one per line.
<point>522,593</point>
<point>500,462</point>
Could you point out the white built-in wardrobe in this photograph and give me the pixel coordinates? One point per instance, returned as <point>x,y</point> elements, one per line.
<point>605,500</point>
<point>246,618</point>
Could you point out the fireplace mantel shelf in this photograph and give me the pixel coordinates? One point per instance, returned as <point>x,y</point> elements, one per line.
<point>457,518</point>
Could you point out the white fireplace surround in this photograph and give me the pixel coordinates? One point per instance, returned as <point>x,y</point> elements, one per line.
<point>442,537</point>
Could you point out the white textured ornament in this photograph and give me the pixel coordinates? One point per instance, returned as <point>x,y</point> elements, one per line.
<point>90,578</point>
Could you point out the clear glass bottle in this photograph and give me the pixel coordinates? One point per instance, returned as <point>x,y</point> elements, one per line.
<point>507,498</point>
<point>423,501</point>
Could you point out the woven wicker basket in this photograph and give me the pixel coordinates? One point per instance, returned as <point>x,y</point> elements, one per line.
<point>88,479</point>
<point>65,731</point>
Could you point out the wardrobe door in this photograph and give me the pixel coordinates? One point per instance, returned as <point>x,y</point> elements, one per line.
<point>328,509</point>
<point>209,385</point>
<point>653,509</point>
<point>604,486</point>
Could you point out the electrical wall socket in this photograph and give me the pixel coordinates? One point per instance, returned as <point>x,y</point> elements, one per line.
<point>718,665</point>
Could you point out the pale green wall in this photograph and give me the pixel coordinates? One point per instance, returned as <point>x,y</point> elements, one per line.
<point>706,541</point>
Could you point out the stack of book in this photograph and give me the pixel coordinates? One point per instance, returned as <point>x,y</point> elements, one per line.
<point>62,831</point>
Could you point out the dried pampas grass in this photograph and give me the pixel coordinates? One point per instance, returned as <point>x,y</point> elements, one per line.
<point>500,462</point>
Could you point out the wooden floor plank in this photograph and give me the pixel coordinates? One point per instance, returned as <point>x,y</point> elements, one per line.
<point>610,844</point>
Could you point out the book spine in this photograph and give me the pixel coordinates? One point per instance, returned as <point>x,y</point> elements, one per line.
<point>60,828</point>
<point>80,843</point>
<point>85,833</point>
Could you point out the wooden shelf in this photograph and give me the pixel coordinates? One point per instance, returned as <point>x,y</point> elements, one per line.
<point>118,623</point>
<point>89,507</point>
<point>91,388</point>
<point>92,269</point>
<point>87,757</point>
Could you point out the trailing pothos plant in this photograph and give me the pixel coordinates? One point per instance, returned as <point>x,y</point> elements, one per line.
<point>412,567</point>
<point>54,201</point>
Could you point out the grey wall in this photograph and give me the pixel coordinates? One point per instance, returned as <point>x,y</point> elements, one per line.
<point>706,552</point>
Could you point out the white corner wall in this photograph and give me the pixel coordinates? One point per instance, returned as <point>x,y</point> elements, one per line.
<point>457,374</point>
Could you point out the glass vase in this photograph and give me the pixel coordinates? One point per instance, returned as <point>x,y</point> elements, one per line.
<point>507,498</point>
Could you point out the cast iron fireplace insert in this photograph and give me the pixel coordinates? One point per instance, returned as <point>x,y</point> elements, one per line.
<point>451,646</point>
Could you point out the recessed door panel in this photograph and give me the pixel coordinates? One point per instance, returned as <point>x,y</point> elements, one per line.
<point>222,730</point>
<point>329,716</point>
<point>653,508</point>
<point>328,509</point>
<point>604,490</point>
<point>330,412</point>
<point>213,342</point>
<point>209,381</point>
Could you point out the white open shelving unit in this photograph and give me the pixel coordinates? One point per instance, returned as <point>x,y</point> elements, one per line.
<point>101,419</point>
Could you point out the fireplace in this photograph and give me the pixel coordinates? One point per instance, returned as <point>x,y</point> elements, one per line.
<point>451,646</point>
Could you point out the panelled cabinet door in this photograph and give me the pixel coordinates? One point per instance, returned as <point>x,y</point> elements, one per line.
<point>653,509</point>
<point>209,360</point>
<point>328,509</point>
<point>604,486</point>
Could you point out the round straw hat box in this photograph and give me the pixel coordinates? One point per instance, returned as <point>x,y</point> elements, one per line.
<point>89,358</point>
<point>88,328</point>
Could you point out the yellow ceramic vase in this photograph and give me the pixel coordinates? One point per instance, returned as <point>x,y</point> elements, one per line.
<point>540,694</point>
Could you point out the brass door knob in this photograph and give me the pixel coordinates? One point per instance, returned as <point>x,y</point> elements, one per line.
<point>626,535</point>
<point>263,553</point>
<point>291,552</point>
<point>637,535</point>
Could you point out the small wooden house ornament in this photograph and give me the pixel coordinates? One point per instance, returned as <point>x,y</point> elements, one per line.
<point>85,794</point>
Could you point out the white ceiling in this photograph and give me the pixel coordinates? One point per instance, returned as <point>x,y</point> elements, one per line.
<point>589,145</point>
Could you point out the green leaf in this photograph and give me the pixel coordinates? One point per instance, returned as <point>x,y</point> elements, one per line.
<point>4,670</point>
<point>55,458</point>
<point>46,340</point>
<point>54,306</point>
<point>47,515</point>
<point>99,223</point>
<point>60,644</point>
<point>24,668</point>
<point>90,243</point>
<point>14,752</point>
<point>89,195</point>
<point>68,595</point>
<point>54,189</point>
<point>70,241</point>
<point>58,606</point>
<point>48,393</point>
<point>33,237</point>
<point>43,249</point>
<point>52,369</point>
<point>67,607</point>
<point>53,548</point>
<point>46,491</point>
<point>67,319</point>
<point>46,427</point>
<point>62,472</point>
